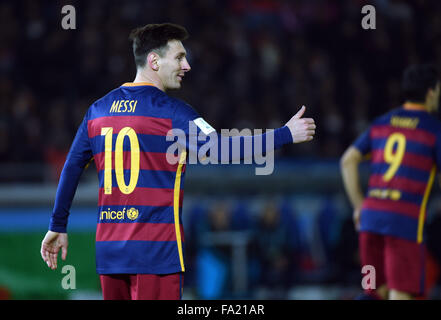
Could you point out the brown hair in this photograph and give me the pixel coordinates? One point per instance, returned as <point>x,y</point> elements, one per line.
<point>154,37</point>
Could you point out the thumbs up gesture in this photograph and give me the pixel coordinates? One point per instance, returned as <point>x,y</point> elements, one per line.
<point>302,129</point>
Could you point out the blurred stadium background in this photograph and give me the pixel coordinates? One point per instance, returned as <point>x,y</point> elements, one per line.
<point>285,236</point>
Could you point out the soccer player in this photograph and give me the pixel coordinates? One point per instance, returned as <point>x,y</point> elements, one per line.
<point>139,235</point>
<point>405,151</point>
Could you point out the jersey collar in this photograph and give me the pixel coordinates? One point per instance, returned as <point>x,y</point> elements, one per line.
<point>414,106</point>
<point>137,84</point>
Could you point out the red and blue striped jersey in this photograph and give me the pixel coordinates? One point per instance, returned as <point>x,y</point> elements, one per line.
<point>405,150</point>
<point>139,220</point>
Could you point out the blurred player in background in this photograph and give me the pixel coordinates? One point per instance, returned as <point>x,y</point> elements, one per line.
<point>139,236</point>
<point>404,146</point>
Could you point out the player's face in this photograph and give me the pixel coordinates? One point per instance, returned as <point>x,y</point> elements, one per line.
<point>173,65</point>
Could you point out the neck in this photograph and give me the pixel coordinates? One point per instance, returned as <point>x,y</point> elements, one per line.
<point>143,75</point>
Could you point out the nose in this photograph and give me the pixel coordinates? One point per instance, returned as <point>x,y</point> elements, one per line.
<point>185,65</point>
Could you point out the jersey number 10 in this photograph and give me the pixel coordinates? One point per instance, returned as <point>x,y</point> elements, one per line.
<point>394,158</point>
<point>119,159</point>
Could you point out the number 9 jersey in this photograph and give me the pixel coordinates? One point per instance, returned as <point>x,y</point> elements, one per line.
<point>404,146</point>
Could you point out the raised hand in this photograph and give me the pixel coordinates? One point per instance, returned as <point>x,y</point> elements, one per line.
<point>302,129</point>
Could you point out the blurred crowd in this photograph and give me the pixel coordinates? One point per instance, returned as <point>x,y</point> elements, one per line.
<point>254,63</point>
<point>284,247</point>
<point>289,242</point>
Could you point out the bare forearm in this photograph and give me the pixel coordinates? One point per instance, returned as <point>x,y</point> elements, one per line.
<point>351,178</point>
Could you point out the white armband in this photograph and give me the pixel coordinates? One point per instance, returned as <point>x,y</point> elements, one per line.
<point>204,126</point>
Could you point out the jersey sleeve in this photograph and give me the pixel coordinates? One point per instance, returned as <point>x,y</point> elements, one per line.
<point>203,141</point>
<point>363,143</point>
<point>78,157</point>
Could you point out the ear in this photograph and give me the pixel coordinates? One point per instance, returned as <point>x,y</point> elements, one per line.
<point>152,60</point>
